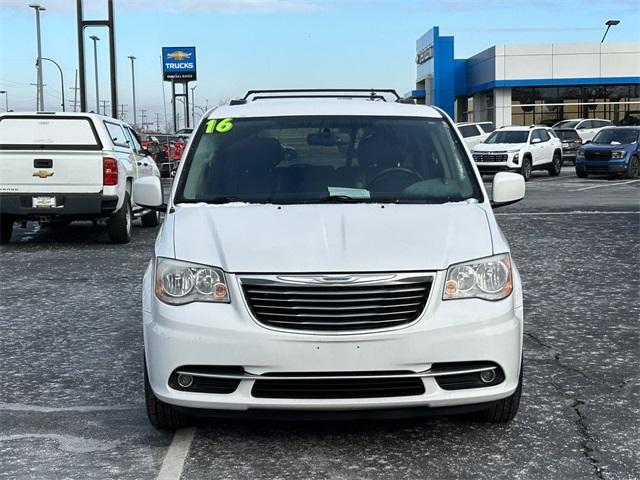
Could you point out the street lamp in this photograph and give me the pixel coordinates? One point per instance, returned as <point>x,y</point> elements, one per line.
<point>61,78</point>
<point>609,24</point>
<point>95,62</point>
<point>6,99</point>
<point>133,87</point>
<point>193,105</point>
<point>39,9</point>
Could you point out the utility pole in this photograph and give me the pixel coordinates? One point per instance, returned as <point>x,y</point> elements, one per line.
<point>6,100</point>
<point>122,111</point>
<point>95,62</point>
<point>157,122</point>
<point>104,107</point>
<point>143,115</point>
<point>75,93</point>
<point>40,95</point>
<point>133,87</point>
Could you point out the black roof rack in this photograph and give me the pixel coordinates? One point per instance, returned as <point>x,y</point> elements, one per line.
<point>368,93</point>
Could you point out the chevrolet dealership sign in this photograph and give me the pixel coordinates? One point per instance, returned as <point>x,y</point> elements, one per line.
<point>179,63</point>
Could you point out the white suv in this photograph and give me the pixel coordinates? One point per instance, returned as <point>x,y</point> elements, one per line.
<point>521,149</point>
<point>586,127</point>
<point>330,256</point>
<point>475,133</point>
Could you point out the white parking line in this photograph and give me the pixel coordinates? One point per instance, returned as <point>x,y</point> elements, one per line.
<point>173,462</point>
<point>21,407</point>
<point>575,212</point>
<point>605,185</point>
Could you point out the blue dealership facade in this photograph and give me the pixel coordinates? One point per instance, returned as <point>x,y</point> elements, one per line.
<point>524,84</point>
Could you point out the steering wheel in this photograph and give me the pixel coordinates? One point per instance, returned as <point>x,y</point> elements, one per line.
<point>394,171</point>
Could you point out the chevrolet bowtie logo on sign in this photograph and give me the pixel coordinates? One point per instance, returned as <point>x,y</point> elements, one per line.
<point>179,63</point>
<point>42,174</point>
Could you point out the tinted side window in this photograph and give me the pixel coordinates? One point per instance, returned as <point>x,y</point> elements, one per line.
<point>468,131</point>
<point>487,127</point>
<point>117,134</point>
<point>544,135</point>
<point>588,124</point>
<point>134,139</point>
<point>535,134</point>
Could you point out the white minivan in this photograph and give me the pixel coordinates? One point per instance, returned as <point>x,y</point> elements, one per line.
<point>330,257</point>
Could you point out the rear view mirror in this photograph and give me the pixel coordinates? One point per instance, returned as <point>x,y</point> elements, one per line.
<point>147,192</point>
<point>507,188</point>
<point>328,138</point>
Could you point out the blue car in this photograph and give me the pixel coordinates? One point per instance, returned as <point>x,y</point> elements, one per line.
<point>613,150</point>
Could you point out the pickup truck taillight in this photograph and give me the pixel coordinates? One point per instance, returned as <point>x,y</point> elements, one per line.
<point>109,171</point>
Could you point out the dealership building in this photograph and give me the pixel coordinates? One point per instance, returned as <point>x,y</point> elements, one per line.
<point>527,84</point>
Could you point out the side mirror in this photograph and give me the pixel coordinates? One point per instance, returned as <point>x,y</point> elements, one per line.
<point>146,152</point>
<point>535,140</point>
<point>507,188</point>
<point>147,193</point>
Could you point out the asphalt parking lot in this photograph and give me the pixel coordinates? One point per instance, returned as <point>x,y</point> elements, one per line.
<point>71,403</point>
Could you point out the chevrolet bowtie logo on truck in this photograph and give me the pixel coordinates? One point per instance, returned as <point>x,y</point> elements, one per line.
<point>178,55</point>
<point>42,174</point>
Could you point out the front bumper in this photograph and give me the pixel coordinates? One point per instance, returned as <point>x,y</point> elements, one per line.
<point>227,335</point>
<point>67,205</point>
<point>603,166</point>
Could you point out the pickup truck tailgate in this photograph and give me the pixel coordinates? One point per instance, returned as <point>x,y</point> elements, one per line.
<point>49,155</point>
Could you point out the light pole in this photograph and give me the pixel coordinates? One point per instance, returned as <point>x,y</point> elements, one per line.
<point>193,105</point>
<point>39,9</point>
<point>61,79</point>
<point>95,62</point>
<point>609,24</point>
<point>133,87</point>
<point>6,99</point>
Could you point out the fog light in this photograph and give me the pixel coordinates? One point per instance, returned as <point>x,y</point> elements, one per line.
<point>487,376</point>
<point>185,381</point>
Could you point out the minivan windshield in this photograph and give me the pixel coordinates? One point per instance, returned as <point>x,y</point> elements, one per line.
<point>317,159</point>
<point>508,136</point>
<point>616,136</point>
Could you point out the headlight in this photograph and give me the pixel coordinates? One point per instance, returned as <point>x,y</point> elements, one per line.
<point>180,282</point>
<point>580,154</point>
<point>487,278</point>
<point>618,154</point>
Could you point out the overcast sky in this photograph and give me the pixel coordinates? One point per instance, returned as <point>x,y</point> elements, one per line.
<point>244,44</point>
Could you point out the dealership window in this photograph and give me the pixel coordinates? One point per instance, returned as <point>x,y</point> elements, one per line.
<point>547,105</point>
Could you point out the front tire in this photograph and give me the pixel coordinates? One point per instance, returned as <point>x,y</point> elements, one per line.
<point>633,168</point>
<point>556,165</point>
<point>581,172</point>
<point>119,225</point>
<point>503,411</point>
<point>162,415</point>
<point>525,168</point>
<point>6,229</point>
<point>150,219</point>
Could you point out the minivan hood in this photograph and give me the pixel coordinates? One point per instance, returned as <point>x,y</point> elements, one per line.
<point>323,238</point>
<point>498,147</point>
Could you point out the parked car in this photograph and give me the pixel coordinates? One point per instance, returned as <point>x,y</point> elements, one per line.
<point>586,127</point>
<point>613,150</point>
<point>60,167</point>
<point>521,149</point>
<point>339,279</point>
<point>571,142</point>
<point>475,133</point>
<point>184,132</point>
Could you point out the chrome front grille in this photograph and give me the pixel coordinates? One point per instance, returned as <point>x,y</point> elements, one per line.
<point>339,303</point>
<point>490,157</point>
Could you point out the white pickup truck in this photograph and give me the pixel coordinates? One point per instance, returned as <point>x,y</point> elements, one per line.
<point>60,167</point>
